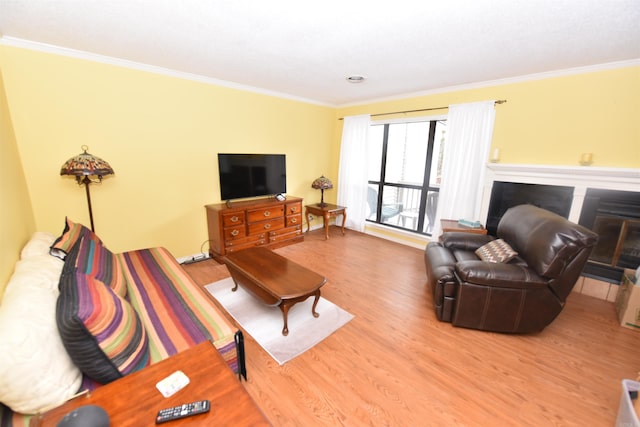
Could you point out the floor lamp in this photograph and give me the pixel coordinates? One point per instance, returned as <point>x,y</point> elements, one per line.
<point>87,169</point>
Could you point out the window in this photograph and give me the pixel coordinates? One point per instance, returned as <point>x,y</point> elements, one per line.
<point>405,164</point>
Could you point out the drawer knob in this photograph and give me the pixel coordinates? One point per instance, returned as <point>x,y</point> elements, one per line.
<point>267,213</point>
<point>234,233</point>
<point>294,220</point>
<point>294,210</point>
<point>234,219</point>
<point>267,226</point>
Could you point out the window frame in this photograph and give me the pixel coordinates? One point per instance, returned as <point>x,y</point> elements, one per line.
<point>426,186</point>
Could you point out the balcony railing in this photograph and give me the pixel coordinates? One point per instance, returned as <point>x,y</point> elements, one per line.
<point>402,207</point>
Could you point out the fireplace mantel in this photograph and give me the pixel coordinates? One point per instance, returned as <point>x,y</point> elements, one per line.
<point>579,177</point>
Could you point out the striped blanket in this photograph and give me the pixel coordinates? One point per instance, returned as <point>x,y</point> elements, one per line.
<point>176,314</point>
<point>175,311</point>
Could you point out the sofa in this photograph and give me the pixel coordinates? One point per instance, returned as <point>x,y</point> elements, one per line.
<point>515,282</point>
<point>75,316</point>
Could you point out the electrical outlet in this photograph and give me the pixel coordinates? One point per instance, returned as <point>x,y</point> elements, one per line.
<point>311,217</point>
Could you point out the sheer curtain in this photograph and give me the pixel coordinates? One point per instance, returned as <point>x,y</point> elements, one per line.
<point>470,128</point>
<point>352,172</point>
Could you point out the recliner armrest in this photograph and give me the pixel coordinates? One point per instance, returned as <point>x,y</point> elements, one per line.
<point>498,275</point>
<point>464,241</point>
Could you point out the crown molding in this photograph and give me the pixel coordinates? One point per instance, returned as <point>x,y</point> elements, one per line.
<point>79,54</point>
<point>505,81</point>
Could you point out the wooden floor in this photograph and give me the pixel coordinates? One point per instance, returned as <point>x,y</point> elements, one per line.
<point>395,364</point>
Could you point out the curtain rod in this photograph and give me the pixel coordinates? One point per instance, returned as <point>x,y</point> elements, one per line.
<point>501,101</point>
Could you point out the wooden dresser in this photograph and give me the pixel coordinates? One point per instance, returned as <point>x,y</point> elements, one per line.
<point>244,224</point>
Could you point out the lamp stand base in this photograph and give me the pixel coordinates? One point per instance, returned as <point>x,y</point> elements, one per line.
<point>322,204</point>
<point>86,182</point>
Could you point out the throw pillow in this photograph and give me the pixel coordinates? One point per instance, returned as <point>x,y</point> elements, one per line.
<point>38,245</point>
<point>71,234</point>
<point>36,372</point>
<point>97,261</point>
<point>100,330</point>
<point>496,251</point>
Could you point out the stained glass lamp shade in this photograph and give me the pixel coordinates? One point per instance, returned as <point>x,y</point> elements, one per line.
<point>322,184</point>
<point>87,169</point>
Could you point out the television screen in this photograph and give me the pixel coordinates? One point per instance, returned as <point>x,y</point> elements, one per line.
<point>251,175</point>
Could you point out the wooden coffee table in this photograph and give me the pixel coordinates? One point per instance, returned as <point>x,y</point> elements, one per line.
<point>274,279</point>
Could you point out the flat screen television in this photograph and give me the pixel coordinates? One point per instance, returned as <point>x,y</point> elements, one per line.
<point>251,175</point>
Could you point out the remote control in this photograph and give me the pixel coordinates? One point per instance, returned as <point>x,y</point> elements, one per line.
<point>182,411</point>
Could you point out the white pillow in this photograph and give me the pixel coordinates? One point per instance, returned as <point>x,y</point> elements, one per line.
<point>35,370</point>
<point>38,245</point>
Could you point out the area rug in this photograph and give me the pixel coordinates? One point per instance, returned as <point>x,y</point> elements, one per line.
<point>264,323</point>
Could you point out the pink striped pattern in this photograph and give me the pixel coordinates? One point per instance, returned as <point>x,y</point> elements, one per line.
<point>71,234</point>
<point>100,330</point>
<point>175,311</point>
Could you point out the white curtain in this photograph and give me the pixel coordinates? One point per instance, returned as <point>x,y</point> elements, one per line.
<point>470,129</point>
<point>352,172</point>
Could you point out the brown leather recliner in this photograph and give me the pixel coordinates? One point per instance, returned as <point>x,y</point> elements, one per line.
<point>521,296</point>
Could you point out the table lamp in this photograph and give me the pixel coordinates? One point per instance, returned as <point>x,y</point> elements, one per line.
<point>322,184</point>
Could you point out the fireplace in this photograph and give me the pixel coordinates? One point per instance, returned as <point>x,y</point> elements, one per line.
<point>605,200</point>
<point>615,216</point>
<point>505,195</point>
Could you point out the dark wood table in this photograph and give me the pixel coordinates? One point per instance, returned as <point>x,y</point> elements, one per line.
<point>274,279</point>
<point>453,225</point>
<point>134,399</point>
<point>326,211</point>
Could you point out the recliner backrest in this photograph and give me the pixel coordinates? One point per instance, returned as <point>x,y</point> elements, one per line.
<point>545,240</point>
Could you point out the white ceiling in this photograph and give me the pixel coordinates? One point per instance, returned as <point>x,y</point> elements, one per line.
<point>305,49</point>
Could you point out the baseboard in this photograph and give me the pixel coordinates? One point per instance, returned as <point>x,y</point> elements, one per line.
<point>399,236</point>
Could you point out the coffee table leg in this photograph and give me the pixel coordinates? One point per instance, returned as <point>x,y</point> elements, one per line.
<point>315,303</point>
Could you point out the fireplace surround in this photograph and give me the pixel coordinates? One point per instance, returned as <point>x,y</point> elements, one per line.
<point>575,192</point>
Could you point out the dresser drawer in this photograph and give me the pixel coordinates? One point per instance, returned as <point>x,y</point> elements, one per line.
<point>292,220</point>
<point>294,208</point>
<point>266,226</point>
<point>243,242</point>
<point>285,234</point>
<point>249,244</point>
<point>231,233</point>
<point>265,213</point>
<point>232,219</point>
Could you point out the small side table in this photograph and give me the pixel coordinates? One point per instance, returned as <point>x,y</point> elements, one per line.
<point>326,212</point>
<point>452,225</point>
<point>134,400</point>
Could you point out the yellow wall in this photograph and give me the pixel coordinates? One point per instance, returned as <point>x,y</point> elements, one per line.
<point>552,121</point>
<point>16,216</point>
<point>161,135</point>
<point>549,121</point>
